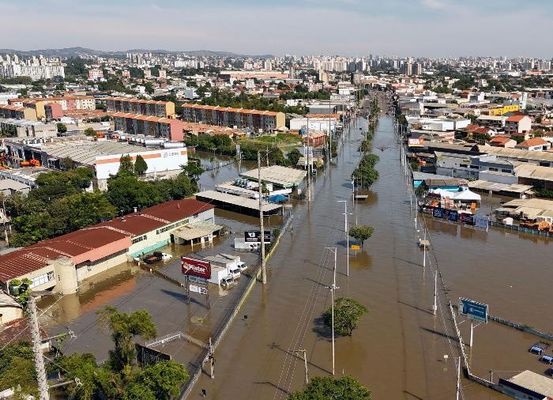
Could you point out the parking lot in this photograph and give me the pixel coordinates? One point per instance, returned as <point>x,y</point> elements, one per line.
<point>130,287</point>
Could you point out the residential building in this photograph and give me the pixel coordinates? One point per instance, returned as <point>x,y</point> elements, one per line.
<point>30,129</point>
<point>518,124</point>
<point>17,112</point>
<point>502,141</point>
<point>95,74</point>
<point>266,121</point>
<point>152,108</point>
<point>170,129</point>
<point>484,167</point>
<point>534,144</point>
<point>61,264</point>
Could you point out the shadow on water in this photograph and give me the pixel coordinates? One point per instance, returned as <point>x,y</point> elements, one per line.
<point>442,334</point>
<point>182,297</point>
<point>415,307</point>
<point>275,346</point>
<point>321,330</point>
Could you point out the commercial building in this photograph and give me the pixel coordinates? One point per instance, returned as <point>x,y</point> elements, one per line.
<point>23,128</point>
<point>502,110</point>
<point>317,122</point>
<point>266,121</point>
<point>242,75</point>
<point>103,157</point>
<point>62,263</point>
<point>152,108</point>
<point>527,385</point>
<point>171,129</point>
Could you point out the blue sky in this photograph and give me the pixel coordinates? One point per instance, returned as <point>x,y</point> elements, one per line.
<point>348,27</point>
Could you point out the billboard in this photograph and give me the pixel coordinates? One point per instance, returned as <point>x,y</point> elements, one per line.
<point>194,267</point>
<point>473,310</point>
<point>255,236</point>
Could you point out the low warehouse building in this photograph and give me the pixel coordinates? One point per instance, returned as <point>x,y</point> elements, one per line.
<point>61,264</point>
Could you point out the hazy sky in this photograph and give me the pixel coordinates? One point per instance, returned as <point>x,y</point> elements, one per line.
<point>348,27</point>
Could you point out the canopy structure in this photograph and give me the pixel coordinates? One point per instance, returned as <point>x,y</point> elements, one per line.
<point>463,195</point>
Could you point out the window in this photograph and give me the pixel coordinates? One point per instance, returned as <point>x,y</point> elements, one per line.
<point>474,167</point>
<point>139,239</point>
<point>493,169</point>
<point>464,166</point>
<point>42,279</point>
<point>506,170</point>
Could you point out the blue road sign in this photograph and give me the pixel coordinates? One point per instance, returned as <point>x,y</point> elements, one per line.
<point>473,310</point>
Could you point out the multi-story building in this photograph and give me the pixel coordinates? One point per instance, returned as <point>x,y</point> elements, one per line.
<point>153,108</point>
<point>17,112</point>
<point>67,103</point>
<point>171,129</point>
<point>266,121</point>
<point>36,67</point>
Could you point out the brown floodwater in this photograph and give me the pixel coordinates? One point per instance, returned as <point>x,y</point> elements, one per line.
<point>399,347</point>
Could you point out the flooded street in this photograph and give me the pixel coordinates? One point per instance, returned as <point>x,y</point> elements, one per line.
<point>398,349</point>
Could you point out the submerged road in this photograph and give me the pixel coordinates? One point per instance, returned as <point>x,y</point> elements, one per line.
<point>397,351</point>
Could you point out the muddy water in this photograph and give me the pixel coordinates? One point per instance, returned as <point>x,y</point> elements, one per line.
<point>398,350</point>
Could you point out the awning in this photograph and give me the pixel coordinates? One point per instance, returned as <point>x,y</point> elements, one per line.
<point>197,230</point>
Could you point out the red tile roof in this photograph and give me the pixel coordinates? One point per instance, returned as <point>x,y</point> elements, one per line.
<point>76,245</point>
<point>516,118</point>
<point>537,141</point>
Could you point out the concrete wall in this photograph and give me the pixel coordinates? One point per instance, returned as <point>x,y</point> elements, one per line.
<point>10,313</point>
<point>86,271</point>
<point>157,160</point>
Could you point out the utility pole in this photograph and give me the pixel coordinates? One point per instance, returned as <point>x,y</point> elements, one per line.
<point>308,164</point>
<point>346,232</point>
<point>39,360</point>
<point>304,357</point>
<point>332,290</point>
<point>424,249</point>
<point>435,305</point>
<point>261,227</point>
<point>211,360</point>
<point>458,388</point>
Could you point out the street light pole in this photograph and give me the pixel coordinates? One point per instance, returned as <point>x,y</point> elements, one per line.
<point>332,290</point>
<point>435,305</point>
<point>346,232</point>
<point>261,227</point>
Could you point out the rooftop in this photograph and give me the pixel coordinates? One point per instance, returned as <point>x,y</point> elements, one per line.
<point>78,245</point>
<point>280,176</point>
<point>535,382</point>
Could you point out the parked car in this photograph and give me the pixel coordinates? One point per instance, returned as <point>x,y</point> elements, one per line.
<point>538,348</point>
<point>157,256</point>
<point>547,360</point>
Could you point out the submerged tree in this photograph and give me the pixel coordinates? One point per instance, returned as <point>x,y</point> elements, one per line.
<point>327,387</point>
<point>347,313</point>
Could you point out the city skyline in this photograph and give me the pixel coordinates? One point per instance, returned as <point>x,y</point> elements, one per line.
<point>423,28</point>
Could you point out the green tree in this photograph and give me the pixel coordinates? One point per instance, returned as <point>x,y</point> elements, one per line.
<point>90,132</point>
<point>330,388</point>
<point>17,369</point>
<point>62,128</point>
<point>126,165</point>
<point>347,313</point>
<point>193,170</point>
<point>84,209</point>
<point>22,290</point>
<point>361,232</point>
<point>163,379</point>
<point>293,157</point>
<point>123,328</point>
<point>140,166</point>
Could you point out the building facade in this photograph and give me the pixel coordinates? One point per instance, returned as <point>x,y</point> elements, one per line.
<point>152,108</point>
<point>266,121</point>
<point>171,129</point>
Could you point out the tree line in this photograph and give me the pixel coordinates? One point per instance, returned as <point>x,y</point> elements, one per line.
<point>63,202</point>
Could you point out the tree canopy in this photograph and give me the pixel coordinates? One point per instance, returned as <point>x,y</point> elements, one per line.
<point>361,232</point>
<point>330,388</point>
<point>347,313</point>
